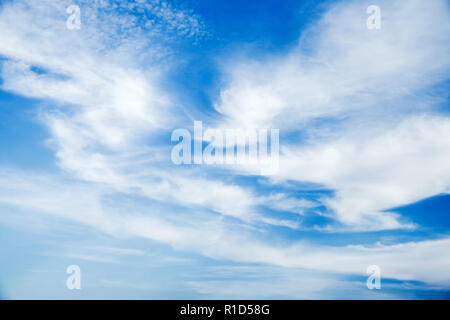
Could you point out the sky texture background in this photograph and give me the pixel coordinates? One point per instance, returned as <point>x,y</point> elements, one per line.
<point>86,176</point>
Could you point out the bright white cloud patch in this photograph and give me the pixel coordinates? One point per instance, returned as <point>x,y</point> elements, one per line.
<point>380,149</point>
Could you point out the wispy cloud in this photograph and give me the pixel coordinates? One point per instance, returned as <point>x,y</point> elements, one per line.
<point>361,99</point>
<point>373,135</point>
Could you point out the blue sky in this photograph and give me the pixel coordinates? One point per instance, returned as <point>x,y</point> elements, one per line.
<point>86,177</point>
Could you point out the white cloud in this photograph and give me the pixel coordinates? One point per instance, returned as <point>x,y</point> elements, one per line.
<point>268,282</point>
<point>340,66</point>
<point>214,237</point>
<point>390,168</point>
<point>359,97</point>
<point>111,99</point>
